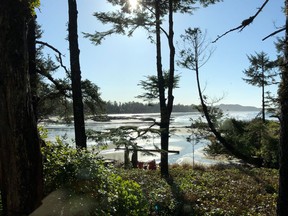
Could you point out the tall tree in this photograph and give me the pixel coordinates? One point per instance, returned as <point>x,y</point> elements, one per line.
<point>31,37</point>
<point>282,205</point>
<point>193,57</point>
<point>20,157</point>
<point>79,123</point>
<point>150,16</point>
<point>165,107</point>
<point>260,74</point>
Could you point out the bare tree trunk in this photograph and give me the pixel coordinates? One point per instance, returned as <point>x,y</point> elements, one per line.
<point>282,206</point>
<point>20,157</point>
<point>79,123</point>
<point>250,160</point>
<point>254,161</point>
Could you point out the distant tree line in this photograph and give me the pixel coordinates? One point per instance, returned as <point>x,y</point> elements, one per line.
<point>137,107</point>
<point>65,110</point>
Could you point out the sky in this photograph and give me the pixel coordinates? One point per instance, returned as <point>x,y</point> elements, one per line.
<point>120,62</point>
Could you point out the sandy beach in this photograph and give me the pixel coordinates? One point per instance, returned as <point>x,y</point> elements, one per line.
<point>111,153</point>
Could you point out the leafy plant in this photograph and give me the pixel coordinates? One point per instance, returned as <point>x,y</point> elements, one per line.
<point>82,174</point>
<point>216,190</point>
<point>253,138</point>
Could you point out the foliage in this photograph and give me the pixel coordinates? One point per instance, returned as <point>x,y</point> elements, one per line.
<point>34,4</point>
<point>219,190</point>
<point>216,190</point>
<point>151,86</point>
<point>124,21</point>
<point>260,74</point>
<point>123,137</point>
<point>136,107</point>
<point>156,190</point>
<point>215,113</point>
<point>253,138</point>
<point>83,174</point>
<point>54,94</point>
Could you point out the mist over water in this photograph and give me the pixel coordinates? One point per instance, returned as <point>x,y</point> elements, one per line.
<point>178,140</point>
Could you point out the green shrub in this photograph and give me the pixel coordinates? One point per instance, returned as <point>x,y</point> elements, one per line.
<point>159,194</point>
<point>216,190</point>
<point>252,138</point>
<point>84,175</point>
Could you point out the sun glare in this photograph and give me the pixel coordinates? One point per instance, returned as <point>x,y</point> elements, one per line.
<point>133,4</point>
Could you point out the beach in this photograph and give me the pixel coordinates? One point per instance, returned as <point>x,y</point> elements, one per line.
<point>179,127</point>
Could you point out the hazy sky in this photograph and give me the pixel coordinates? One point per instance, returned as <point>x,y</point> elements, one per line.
<point>120,62</point>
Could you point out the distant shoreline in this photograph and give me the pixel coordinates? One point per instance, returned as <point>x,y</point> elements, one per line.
<point>127,116</point>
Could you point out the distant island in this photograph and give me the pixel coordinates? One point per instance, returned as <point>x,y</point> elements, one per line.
<point>237,107</point>
<point>136,107</point>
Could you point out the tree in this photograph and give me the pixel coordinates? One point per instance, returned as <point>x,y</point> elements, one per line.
<point>79,124</point>
<point>31,38</point>
<point>150,16</point>
<point>123,137</point>
<point>54,95</point>
<point>259,74</point>
<point>282,207</point>
<point>150,86</point>
<point>193,57</point>
<point>20,158</point>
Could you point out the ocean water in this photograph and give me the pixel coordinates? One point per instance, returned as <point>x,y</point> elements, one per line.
<point>188,151</point>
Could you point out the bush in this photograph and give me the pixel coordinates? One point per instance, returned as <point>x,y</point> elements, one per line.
<point>252,138</point>
<point>161,197</point>
<point>99,190</point>
<point>84,175</point>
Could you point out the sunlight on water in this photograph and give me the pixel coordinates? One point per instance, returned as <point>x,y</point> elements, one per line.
<point>177,140</point>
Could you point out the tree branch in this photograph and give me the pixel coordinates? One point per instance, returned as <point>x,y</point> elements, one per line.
<point>61,88</point>
<point>274,33</point>
<point>58,52</point>
<point>244,23</point>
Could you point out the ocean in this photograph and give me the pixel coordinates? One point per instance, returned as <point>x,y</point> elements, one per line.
<point>188,151</point>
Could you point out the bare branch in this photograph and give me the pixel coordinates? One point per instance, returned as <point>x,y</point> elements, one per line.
<point>58,52</point>
<point>244,23</point>
<point>274,33</point>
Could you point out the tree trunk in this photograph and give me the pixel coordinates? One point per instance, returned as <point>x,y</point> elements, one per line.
<point>20,157</point>
<point>164,114</point>
<point>79,123</point>
<point>254,161</point>
<point>282,206</point>
<point>31,37</point>
<point>165,109</point>
<point>263,96</point>
<point>250,160</point>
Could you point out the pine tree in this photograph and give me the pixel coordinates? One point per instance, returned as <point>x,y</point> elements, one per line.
<point>261,74</point>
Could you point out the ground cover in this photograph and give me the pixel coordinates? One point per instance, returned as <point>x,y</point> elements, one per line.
<point>217,190</point>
